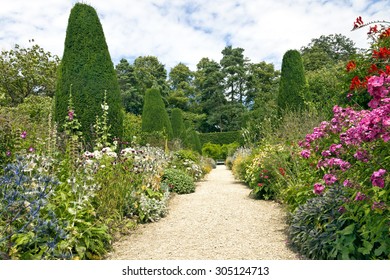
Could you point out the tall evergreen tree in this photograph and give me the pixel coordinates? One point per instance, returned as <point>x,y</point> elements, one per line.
<point>154,116</point>
<point>87,70</point>
<point>293,83</point>
<point>178,128</point>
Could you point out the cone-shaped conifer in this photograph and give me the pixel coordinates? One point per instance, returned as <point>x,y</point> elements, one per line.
<point>154,116</point>
<point>292,84</point>
<point>87,68</point>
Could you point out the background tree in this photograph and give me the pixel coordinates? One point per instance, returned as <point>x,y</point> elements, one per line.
<point>88,71</point>
<point>209,91</point>
<point>154,116</point>
<point>327,50</point>
<point>132,97</point>
<point>182,91</point>
<point>27,71</point>
<point>293,85</point>
<point>234,68</point>
<point>150,72</point>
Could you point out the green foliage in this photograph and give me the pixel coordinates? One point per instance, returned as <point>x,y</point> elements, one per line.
<point>32,117</point>
<point>154,116</point>
<point>314,226</point>
<point>87,67</point>
<point>193,141</point>
<point>178,181</point>
<point>27,71</point>
<point>213,151</point>
<point>221,137</point>
<point>177,124</point>
<point>149,73</point>
<point>132,97</point>
<point>293,85</point>
<point>132,127</point>
<point>326,51</point>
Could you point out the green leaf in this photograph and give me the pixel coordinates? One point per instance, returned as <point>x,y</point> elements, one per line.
<point>348,230</point>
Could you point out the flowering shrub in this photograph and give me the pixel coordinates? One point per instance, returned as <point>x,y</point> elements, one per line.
<point>264,170</point>
<point>352,150</point>
<point>29,227</point>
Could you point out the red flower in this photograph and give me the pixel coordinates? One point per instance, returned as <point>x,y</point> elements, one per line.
<point>373,29</point>
<point>260,184</point>
<point>351,65</point>
<point>388,69</point>
<point>355,83</point>
<point>373,69</point>
<point>358,22</point>
<point>383,53</point>
<point>282,171</point>
<point>385,33</point>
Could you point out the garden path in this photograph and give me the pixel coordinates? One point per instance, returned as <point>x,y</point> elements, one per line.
<point>218,221</point>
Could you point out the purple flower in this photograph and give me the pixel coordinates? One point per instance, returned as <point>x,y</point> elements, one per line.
<point>318,188</point>
<point>360,196</point>
<point>23,135</point>
<point>378,205</point>
<point>31,149</point>
<point>377,178</point>
<point>329,179</point>
<point>305,153</point>
<point>341,209</point>
<point>8,153</point>
<point>361,155</point>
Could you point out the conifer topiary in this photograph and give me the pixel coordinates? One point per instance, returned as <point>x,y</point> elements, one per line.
<point>178,128</point>
<point>292,84</point>
<point>87,68</point>
<point>154,116</point>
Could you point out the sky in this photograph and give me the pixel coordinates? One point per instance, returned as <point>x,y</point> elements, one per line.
<point>185,31</point>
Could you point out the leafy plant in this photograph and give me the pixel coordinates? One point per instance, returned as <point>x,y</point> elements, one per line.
<point>178,181</point>
<point>314,226</point>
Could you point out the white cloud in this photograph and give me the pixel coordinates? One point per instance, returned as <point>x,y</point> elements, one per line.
<point>185,31</point>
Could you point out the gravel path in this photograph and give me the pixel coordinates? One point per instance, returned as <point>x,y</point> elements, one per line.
<point>218,222</point>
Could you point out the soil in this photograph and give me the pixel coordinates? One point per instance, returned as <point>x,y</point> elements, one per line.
<point>217,222</point>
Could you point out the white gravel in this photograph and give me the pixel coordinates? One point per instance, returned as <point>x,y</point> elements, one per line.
<point>217,222</point>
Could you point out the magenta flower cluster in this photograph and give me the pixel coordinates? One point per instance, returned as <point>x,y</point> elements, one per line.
<point>377,178</point>
<point>355,129</point>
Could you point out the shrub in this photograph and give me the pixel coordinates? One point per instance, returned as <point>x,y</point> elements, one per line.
<point>221,137</point>
<point>292,84</point>
<point>212,150</point>
<point>88,72</point>
<point>178,128</point>
<point>315,225</point>
<point>178,181</point>
<point>154,116</point>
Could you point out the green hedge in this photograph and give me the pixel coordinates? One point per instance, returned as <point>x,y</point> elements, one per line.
<point>221,137</point>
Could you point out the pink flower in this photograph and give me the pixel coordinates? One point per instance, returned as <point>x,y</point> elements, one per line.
<point>347,183</point>
<point>361,155</point>
<point>360,196</point>
<point>31,149</point>
<point>8,153</point>
<point>318,188</point>
<point>329,179</point>
<point>70,115</point>
<point>377,178</point>
<point>23,135</point>
<point>305,153</point>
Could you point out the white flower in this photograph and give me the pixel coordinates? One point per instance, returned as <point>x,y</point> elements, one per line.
<point>105,107</point>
